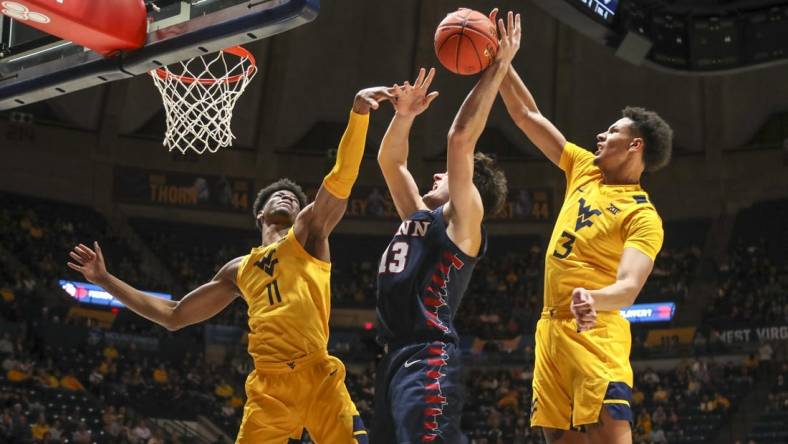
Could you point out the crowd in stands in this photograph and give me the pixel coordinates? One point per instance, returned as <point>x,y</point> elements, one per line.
<point>770,426</point>
<point>40,233</point>
<point>753,290</point>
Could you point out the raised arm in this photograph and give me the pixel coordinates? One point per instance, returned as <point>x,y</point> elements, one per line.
<point>410,101</point>
<point>200,304</point>
<point>465,204</point>
<point>315,222</point>
<point>523,110</point>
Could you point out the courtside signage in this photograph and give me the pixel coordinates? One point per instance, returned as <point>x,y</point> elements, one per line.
<point>657,312</point>
<point>95,295</point>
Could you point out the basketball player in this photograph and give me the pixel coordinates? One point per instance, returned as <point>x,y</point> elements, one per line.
<point>601,251</point>
<point>285,283</point>
<point>426,268</point>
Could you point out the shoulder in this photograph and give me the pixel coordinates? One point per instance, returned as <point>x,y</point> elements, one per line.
<point>638,206</point>
<point>229,271</point>
<point>573,155</point>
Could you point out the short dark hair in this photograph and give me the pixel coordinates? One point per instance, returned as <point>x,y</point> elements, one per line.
<point>265,194</point>
<point>491,183</point>
<point>656,133</point>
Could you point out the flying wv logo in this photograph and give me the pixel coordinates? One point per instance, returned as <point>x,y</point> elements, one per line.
<point>267,263</point>
<point>584,214</point>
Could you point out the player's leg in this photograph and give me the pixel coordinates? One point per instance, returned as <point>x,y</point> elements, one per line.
<point>603,388</point>
<point>332,417</point>
<point>609,430</point>
<point>382,427</point>
<point>551,402</point>
<point>558,436</point>
<point>426,395</point>
<point>269,416</point>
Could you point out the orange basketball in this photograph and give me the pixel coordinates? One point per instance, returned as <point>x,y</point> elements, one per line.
<point>466,42</point>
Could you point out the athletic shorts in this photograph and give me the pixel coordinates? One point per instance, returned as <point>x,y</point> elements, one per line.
<point>576,374</point>
<point>418,395</point>
<point>310,392</point>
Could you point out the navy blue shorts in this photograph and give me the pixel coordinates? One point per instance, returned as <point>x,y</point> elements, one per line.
<point>418,395</point>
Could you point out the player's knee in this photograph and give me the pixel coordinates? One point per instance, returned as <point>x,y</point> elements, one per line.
<point>552,436</point>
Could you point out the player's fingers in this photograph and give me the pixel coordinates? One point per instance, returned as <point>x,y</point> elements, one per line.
<point>431,96</point>
<point>420,78</point>
<point>493,14</point>
<point>385,94</point>
<point>87,250</point>
<point>373,103</point>
<point>76,257</point>
<point>74,266</point>
<point>99,254</point>
<point>428,80</point>
<point>510,22</point>
<point>82,253</point>
<point>502,30</point>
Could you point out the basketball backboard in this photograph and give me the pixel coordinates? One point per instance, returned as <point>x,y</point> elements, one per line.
<point>35,66</point>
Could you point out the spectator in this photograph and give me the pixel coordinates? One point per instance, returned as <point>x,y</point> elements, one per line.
<point>142,432</point>
<point>6,346</point>
<point>82,435</point>
<point>70,382</point>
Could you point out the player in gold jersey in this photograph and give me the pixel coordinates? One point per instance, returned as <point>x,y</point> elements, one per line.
<point>600,254</point>
<point>286,285</point>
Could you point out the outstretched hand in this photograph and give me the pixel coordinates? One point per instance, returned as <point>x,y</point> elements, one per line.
<point>412,100</point>
<point>88,262</point>
<point>510,34</point>
<point>370,98</point>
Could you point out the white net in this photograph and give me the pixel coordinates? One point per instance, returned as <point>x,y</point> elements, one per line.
<point>199,96</point>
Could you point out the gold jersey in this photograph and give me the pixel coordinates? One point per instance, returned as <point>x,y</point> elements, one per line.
<point>596,222</point>
<point>288,292</point>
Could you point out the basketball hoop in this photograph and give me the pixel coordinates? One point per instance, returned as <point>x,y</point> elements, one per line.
<point>199,95</point>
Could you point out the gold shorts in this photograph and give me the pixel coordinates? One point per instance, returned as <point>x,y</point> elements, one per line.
<point>578,373</point>
<point>310,392</point>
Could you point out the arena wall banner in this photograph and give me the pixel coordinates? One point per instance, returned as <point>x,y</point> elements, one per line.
<point>172,189</point>
<point>758,334</point>
<point>664,336</point>
<point>522,205</point>
<point>124,340</point>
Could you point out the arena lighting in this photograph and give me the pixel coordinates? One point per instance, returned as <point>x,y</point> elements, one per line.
<point>94,295</point>
<point>656,312</point>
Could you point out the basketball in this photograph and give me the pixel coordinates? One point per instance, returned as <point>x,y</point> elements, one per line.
<point>466,42</point>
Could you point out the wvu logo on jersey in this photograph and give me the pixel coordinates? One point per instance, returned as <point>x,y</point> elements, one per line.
<point>267,263</point>
<point>584,215</point>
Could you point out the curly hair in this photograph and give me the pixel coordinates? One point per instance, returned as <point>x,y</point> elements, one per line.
<point>656,133</point>
<point>265,194</point>
<point>491,183</point>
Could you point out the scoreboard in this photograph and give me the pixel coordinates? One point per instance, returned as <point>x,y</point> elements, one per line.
<point>604,10</point>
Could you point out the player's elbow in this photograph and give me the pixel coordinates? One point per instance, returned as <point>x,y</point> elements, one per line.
<point>172,320</point>
<point>460,137</point>
<point>525,119</point>
<point>172,325</point>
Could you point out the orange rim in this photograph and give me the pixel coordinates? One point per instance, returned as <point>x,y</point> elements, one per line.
<point>235,50</point>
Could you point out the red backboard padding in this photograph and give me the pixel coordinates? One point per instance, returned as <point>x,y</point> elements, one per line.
<point>103,26</point>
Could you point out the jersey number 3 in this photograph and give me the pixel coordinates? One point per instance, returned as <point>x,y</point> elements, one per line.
<point>394,258</point>
<point>567,245</point>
